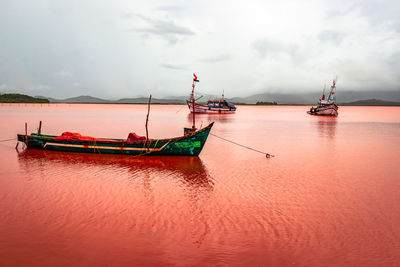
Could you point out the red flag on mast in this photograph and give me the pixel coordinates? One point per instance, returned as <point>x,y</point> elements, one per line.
<point>195,78</point>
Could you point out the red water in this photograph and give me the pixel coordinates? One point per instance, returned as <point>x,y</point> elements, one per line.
<point>329,197</point>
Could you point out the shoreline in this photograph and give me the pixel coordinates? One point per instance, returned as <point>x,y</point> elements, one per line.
<point>184,104</point>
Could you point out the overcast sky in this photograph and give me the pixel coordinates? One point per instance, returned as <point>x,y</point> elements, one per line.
<point>114,49</point>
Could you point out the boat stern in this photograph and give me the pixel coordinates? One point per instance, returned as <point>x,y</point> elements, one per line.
<point>31,141</point>
<point>191,145</point>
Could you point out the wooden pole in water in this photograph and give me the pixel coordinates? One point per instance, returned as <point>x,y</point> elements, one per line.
<point>40,128</point>
<point>26,133</point>
<point>147,118</point>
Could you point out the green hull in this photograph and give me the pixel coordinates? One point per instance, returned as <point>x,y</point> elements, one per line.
<point>188,145</point>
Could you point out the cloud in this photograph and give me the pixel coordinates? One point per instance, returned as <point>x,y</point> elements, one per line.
<point>167,29</point>
<point>173,67</point>
<point>379,12</point>
<point>128,15</point>
<point>272,48</point>
<point>39,87</point>
<point>169,8</point>
<point>123,48</point>
<point>333,37</point>
<point>216,59</point>
<point>65,74</point>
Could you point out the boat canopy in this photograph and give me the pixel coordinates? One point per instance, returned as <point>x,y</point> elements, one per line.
<point>229,104</point>
<point>220,103</point>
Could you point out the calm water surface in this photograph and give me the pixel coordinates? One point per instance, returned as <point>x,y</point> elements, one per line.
<point>330,197</point>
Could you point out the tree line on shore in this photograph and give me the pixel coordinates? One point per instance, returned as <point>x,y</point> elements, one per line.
<point>21,98</point>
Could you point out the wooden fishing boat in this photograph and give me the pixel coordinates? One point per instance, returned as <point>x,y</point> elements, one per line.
<point>189,144</point>
<point>327,106</point>
<point>213,106</point>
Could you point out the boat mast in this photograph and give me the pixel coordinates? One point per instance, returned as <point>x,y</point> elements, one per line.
<point>331,96</point>
<point>194,112</point>
<point>193,101</point>
<point>323,95</point>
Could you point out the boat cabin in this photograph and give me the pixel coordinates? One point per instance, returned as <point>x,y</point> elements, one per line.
<point>222,103</point>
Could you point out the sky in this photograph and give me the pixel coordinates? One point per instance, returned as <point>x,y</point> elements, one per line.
<point>120,48</point>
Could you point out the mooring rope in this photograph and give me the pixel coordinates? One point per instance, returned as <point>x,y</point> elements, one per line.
<point>180,109</point>
<point>266,154</point>
<point>8,139</point>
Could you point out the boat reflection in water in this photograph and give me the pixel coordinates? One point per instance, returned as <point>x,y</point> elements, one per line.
<point>205,119</point>
<point>327,126</point>
<point>190,170</point>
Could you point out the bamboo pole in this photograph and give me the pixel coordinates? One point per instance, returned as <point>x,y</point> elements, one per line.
<point>26,133</point>
<point>40,128</point>
<point>147,120</point>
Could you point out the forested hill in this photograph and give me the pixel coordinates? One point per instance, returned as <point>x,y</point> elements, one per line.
<point>20,98</point>
<point>371,102</point>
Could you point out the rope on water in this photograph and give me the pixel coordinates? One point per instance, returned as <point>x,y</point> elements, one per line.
<point>8,139</point>
<point>266,154</point>
<point>180,109</point>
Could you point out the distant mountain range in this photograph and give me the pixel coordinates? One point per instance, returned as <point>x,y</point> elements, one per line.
<point>371,102</point>
<point>312,97</point>
<point>354,98</point>
<point>91,99</point>
<point>343,98</point>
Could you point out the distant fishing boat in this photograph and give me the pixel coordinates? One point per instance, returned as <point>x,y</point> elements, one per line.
<point>327,106</point>
<point>190,144</point>
<point>213,106</point>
